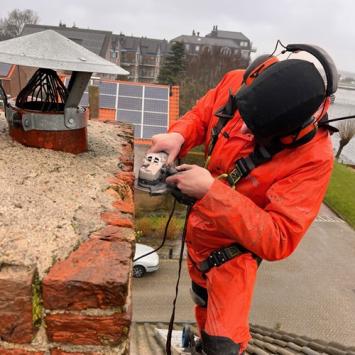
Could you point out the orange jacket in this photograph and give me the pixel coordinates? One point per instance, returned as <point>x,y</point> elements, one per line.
<point>270,210</point>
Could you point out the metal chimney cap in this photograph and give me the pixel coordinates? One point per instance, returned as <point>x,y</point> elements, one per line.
<point>48,49</point>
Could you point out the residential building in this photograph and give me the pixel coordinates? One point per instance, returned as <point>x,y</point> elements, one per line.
<point>141,56</point>
<point>228,42</point>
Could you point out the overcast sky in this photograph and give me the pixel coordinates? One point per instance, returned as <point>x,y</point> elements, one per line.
<point>327,23</point>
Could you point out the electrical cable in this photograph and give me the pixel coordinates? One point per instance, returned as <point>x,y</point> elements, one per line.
<point>172,318</point>
<point>321,123</point>
<point>164,236</point>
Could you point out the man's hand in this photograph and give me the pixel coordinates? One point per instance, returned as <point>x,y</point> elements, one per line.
<point>192,180</point>
<point>169,143</point>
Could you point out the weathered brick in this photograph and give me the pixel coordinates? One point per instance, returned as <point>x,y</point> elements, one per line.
<point>87,330</point>
<point>124,206</point>
<point>16,325</point>
<point>127,177</point>
<point>93,276</point>
<point>117,219</point>
<point>19,352</point>
<point>114,232</point>
<point>57,351</point>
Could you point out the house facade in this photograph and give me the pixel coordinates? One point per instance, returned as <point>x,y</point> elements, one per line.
<point>141,56</point>
<point>227,42</point>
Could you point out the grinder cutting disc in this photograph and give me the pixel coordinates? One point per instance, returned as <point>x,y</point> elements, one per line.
<point>150,177</point>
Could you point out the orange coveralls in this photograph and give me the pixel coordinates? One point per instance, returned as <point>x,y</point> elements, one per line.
<point>268,212</point>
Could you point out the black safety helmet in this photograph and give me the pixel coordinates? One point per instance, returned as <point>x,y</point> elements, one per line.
<point>282,99</point>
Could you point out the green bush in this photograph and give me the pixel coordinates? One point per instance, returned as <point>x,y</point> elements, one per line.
<point>341,192</point>
<point>154,226</point>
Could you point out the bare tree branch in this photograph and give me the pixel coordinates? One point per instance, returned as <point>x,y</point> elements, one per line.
<point>346,133</point>
<point>12,25</point>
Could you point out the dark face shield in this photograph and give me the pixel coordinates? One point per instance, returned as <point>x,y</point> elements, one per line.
<point>282,99</point>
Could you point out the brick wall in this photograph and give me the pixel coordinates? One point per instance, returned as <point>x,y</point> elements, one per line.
<point>174,104</point>
<point>83,304</point>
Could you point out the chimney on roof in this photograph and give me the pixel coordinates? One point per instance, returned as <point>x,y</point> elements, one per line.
<point>198,34</point>
<point>214,31</point>
<point>193,33</point>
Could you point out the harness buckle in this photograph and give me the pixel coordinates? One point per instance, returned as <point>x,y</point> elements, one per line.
<point>234,176</point>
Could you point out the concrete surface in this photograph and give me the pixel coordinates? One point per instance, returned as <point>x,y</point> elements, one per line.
<point>311,293</point>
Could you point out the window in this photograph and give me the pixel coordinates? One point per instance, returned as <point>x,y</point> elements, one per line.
<point>244,44</point>
<point>226,51</point>
<point>197,48</point>
<point>187,47</point>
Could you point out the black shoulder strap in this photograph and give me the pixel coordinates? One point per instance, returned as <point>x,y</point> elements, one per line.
<point>224,114</point>
<point>259,156</point>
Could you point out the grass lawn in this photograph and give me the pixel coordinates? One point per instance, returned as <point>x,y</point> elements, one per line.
<point>341,192</point>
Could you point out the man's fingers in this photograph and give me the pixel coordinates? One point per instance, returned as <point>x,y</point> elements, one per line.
<point>184,167</point>
<point>174,179</point>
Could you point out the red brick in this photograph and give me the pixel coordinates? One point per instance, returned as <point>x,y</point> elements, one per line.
<point>117,219</point>
<point>124,206</point>
<point>127,177</point>
<point>87,330</point>
<point>19,352</point>
<point>113,232</point>
<point>93,276</point>
<point>62,352</point>
<point>16,325</point>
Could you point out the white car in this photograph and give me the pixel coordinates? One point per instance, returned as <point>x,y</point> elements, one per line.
<point>148,263</point>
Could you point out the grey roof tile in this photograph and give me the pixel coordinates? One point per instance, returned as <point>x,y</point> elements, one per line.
<point>94,40</point>
<point>207,41</point>
<point>143,44</point>
<point>309,351</point>
<point>260,344</point>
<point>294,346</point>
<point>229,34</point>
<point>334,351</point>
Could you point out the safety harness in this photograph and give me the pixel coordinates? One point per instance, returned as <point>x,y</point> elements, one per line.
<point>242,168</point>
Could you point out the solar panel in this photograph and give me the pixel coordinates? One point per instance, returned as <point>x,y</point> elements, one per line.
<point>149,131</point>
<point>107,88</point>
<point>129,103</point>
<point>4,69</point>
<point>137,131</point>
<point>155,105</point>
<point>145,107</point>
<point>156,93</point>
<point>129,116</point>
<point>130,90</point>
<point>155,119</point>
<point>108,101</point>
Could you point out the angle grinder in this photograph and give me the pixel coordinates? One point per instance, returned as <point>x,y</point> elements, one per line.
<point>152,178</point>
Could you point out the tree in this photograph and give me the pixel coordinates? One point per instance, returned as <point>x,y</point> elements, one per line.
<point>12,25</point>
<point>173,68</point>
<point>204,71</point>
<point>346,133</point>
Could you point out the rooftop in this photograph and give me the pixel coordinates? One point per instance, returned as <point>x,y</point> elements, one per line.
<point>95,41</point>
<point>148,341</point>
<point>144,44</point>
<point>207,41</point>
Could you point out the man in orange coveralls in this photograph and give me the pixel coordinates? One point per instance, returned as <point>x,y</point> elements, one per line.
<point>267,212</point>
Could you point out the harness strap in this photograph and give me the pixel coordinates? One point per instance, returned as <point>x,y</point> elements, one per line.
<point>222,255</point>
<point>224,114</point>
<point>245,165</point>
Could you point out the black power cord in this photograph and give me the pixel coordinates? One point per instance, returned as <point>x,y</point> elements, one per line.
<point>164,236</point>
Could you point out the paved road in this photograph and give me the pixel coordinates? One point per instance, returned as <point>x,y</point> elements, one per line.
<point>311,293</point>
